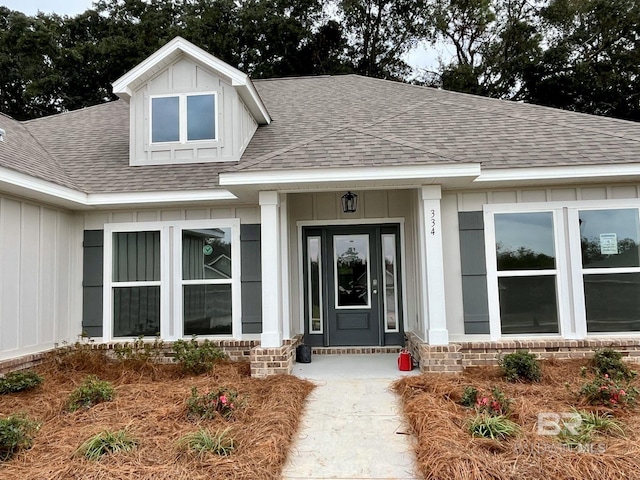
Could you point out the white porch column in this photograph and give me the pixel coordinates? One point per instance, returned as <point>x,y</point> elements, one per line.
<point>284,269</point>
<point>433,305</point>
<point>271,287</point>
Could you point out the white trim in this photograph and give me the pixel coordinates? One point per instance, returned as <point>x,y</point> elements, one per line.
<point>183,116</point>
<point>171,275</point>
<point>122,86</point>
<point>380,173</point>
<point>270,214</point>
<point>556,172</point>
<point>337,306</point>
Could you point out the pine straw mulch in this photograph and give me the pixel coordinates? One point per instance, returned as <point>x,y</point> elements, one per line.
<point>445,450</point>
<point>151,404</point>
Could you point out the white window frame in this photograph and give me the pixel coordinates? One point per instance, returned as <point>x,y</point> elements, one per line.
<point>578,271</point>
<point>182,117</point>
<point>171,315</point>
<point>560,272</point>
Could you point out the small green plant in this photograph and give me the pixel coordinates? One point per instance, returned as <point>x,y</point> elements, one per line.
<point>197,357</point>
<point>204,441</point>
<point>521,366</point>
<point>592,424</point>
<point>469,397</point>
<point>604,390</point>
<point>16,433</point>
<point>91,392</point>
<point>139,351</point>
<point>107,442</point>
<point>18,381</point>
<point>608,361</point>
<point>494,403</point>
<point>496,427</point>
<point>219,402</point>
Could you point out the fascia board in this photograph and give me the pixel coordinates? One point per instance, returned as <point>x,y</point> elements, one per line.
<point>349,173</point>
<point>104,199</point>
<point>558,173</point>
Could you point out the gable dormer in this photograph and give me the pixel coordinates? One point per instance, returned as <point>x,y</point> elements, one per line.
<point>187,106</point>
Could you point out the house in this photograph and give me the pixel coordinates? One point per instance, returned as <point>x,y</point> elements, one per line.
<point>349,213</point>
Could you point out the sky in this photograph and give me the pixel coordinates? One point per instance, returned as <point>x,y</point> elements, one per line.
<point>421,57</point>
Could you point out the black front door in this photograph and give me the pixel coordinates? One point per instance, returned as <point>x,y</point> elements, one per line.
<point>352,286</point>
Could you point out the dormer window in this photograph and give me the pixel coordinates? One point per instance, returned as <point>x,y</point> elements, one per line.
<point>183,118</point>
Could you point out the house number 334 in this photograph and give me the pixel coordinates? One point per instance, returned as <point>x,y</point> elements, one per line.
<point>433,222</point>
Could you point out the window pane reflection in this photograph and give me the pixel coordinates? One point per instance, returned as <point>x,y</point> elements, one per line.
<point>612,302</point>
<point>525,241</point>
<point>207,309</point>
<point>165,119</point>
<point>610,238</point>
<point>390,282</point>
<point>315,294</point>
<point>136,256</point>
<point>528,304</point>
<point>136,311</point>
<point>206,254</point>
<point>352,270</point>
<point>201,122</point>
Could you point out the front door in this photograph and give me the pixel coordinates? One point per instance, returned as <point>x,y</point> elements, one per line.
<point>352,286</point>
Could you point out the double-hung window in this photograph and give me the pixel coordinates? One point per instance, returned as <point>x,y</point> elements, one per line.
<point>183,118</point>
<point>175,279</point>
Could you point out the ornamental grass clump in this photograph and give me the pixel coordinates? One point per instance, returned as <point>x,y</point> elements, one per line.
<point>106,443</point>
<point>496,427</point>
<point>19,381</point>
<point>521,366</point>
<point>205,441</point>
<point>91,392</point>
<point>221,402</point>
<point>16,433</point>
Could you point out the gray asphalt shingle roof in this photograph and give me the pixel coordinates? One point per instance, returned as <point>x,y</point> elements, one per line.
<point>331,121</point>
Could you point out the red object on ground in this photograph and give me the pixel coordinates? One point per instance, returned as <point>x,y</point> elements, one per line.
<point>405,363</point>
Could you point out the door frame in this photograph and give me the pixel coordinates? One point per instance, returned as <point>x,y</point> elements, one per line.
<point>383,222</point>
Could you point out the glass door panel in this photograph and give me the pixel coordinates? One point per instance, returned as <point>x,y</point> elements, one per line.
<point>352,272</point>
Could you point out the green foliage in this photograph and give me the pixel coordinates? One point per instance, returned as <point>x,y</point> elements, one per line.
<point>521,366</point>
<point>107,442</point>
<point>197,357</point>
<point>139,351</point>
<point>592,425</point>
<point>204,441</point>
<point>219,402</point>
<point>496,427</point>
<point>604,390</point>
<point>18,381</point>
<point>16,433</point>
<point>609,362</point>
<point>91,392</point>
<point>469,397</point>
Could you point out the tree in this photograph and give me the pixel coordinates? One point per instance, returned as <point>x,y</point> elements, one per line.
<point>381,32</point>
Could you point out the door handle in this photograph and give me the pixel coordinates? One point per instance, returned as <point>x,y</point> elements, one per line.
<point>375,292</point>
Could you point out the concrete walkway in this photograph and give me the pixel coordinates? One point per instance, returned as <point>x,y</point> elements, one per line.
<point>352,427</point>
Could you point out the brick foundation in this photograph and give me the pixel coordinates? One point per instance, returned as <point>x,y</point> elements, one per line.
<point>455,357</point>
<point>274,361</point>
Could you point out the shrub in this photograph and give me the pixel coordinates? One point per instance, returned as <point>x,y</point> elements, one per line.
<point>107,442</point>
<point>222,401</point>
<point>91,392</point>
<point>16,433</point>
<point>495,403</point>
<point>604,390</point>
<point>496,427</point>
<point>469,397</point>
<point>18,381</point>
<point>197,357</point>
<point>520,366</point>
<point>591,425</point>
<point>139,351</point>
<point>204,441</point>
<point>607,361</point>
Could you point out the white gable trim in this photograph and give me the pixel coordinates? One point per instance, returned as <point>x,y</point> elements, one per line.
<point>242,82</point>
<point>20,184</point>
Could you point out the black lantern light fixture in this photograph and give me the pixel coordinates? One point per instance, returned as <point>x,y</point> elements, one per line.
<point>349,202</point>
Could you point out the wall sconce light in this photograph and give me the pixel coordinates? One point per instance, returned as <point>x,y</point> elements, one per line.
<point>349,202</point>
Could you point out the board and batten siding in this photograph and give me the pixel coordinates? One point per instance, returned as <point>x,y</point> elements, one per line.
<point>235,124</point>
<point>93,254</point>
<point>39,301</point>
